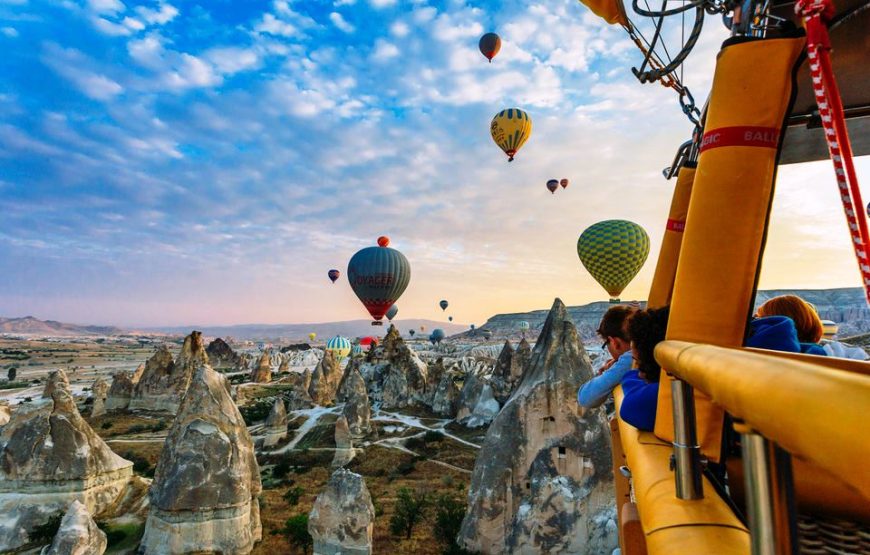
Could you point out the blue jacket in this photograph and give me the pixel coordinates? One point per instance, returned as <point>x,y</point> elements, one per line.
<point>778,333</point>
<point>639,401</point>
<point>594,392</point>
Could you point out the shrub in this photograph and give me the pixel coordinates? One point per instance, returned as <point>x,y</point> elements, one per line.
<point>296,529</point>
<point>141,465</point>
<point>432,435</point>
<point>106,425</point>
<point>449,512</point>
<point>281,469</point>
<point>292,495</point>
<point>11,374</point>
<point>410,509</point>
<point>415,443</point>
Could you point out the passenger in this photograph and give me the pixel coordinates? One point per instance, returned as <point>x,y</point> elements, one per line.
<point>640,387</point>
<point>806,322</point>
<point>612,331</point>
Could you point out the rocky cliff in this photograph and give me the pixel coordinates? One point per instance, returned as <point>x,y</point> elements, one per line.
<point>222,356</point>
<point>395,375</point>
<point>78,534</point>
<point>342,519</point>
<point>121,390</point>
<point>204,495</point>
<point>164,381</point>
<point>544,456</point>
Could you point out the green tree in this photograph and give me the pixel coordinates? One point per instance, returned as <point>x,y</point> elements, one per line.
<point>296,529</point>
<point>410,509</point>
<point>449,512</point>
<point>12,374</point>
<point>292,495</point>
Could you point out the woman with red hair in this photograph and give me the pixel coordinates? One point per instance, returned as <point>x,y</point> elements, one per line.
<point>803,314</point>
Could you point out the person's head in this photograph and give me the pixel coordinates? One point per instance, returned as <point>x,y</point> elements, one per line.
<point>612,330</point>
<point>806,319</point>
<point>647,328</point>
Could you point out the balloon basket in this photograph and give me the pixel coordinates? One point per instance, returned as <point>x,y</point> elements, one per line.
<point>376,323</point>
<point>614,300</point>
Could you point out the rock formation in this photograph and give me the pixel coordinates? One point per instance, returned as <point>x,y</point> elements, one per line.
<point>78,534</point>
<point>356,404</point>
<point>204,494</point>
<point>99,392</point>
<point>222,356</point>
<point>342,519</point>
<point>50,456</point>
<point>5,413</point>
<point>477,405</point>
<point>164,381</point>
<point>395,374</point>
<point>284,367</point>
<point>546,457</point>
<point>508,370</point>
<point>121,391</point>
<point>262,373</point>
<point>325,380</point>
<point>344,452</point>
<point>445,400</point>
<point>276,424</point>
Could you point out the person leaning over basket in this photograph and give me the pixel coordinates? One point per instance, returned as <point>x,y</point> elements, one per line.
<point>612,331</point>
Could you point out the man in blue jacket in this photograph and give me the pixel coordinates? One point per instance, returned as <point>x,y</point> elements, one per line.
<point>612,331</point>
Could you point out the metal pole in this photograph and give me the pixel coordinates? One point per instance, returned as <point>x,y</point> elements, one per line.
<point>687,452</point>
<point>759,497</point>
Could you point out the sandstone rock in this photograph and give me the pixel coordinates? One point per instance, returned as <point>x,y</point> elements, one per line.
<point>544,457</point>
<point>204,495</point>
<point>5,413</point>
<point>121,391</point>
<point>356,405</point>
<point>477,405</point>
<point>262,373</point>
<point>325,380</point>
<point>99,392</point>
<point>344,452</point>
<point>221,355</point>
<point>78,534</point>
<point>342,519</point>
<point>508,370</point>
<point>276,424</point>
<point>50,456</point>
<point>445,401</point>
<point>284,367</point>
<point>164,381</point>
<point>395,374</point>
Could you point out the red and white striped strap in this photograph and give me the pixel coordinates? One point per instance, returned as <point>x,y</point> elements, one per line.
<point>816,14</point>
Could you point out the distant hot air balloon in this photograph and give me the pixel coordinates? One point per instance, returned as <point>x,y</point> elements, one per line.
<point>311,336</point>
<point>510,129</point>
<point>487,334</point>
<point>443,304</point>
<point>383,241</point>
<point>524,326</point>
<point>564,183</point>
<point>378,276</point>
<point>438,335</point>
<point>412,332</point>
<point>613,251</point>
<point>472,327</point>
<point>422,328</point>
<point>339,347</point>
<point>369,341</point>
<point>392,312</point>
<point>552,185</point>
<point>333,275</point>
<point>356,350</point>
<point>450,318</point>
<point>489,45</point>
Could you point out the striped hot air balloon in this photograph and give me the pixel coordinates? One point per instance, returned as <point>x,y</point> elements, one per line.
<point>392,312</point>
<point>339,347</point>
<point>378,276</point>
<point>510,129</point>
<point>356,350</point>
<point>613,252</point>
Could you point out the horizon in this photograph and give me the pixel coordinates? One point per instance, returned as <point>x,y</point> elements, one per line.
<point>166,162</point>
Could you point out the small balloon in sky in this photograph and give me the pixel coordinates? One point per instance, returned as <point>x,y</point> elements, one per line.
<point>510,129</point>
<point>443,304</point>
<point>564,183</point>
<point>552,185</point>
<point>489,45</point>
<point>333,275</point>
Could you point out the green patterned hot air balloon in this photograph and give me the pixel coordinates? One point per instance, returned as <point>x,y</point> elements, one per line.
<point>613,251</point>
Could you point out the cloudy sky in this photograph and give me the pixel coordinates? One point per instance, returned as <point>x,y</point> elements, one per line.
<point>169,162</point>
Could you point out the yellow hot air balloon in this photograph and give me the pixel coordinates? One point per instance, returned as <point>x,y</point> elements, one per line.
<point>510,129</point>
<point>613,251</point>
<point>311,336</point>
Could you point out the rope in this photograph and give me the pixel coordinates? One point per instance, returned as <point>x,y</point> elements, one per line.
<point>817,14</point>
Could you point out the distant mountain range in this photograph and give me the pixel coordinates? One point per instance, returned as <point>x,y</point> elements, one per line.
<point>845,306</point>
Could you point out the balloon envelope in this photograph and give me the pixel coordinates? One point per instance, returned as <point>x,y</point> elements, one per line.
<point>524,326</point>
<point>311,336</point>
<point>487,334</point>
<point>564,183</point>
<point>489,45</point>
<point>378,276</point>
<point>552,185</point>
<point>450,318</point>
<point>472,326</point>
<point>367,341</point>
<point>333,275</point>
<point>613,251</point>
<point>339,347</point>
<point>510,129</point>
<point>438,334</point>
<point>412,332</point>
<point>383,241</point>
<point>443,304</point>
<point>392,312</point>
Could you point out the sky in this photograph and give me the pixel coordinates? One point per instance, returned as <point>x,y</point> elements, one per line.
<point>191,162</point>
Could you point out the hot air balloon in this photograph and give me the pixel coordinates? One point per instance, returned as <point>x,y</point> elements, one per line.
<point>383,241</point>
<point>412,332</point>
<point>369,341</point>
<point>443,304</point>
<point>472,327</point>
<point>524,326</point>
<point>564,183</point>
<point>378,276</point>
<point>489,45</point>
<point>552,185</point>
<point>339,347</point>
<point>510,129</point>
<point>392,312</point>
<point>450,318</point>
<point>437,335</point>
<point>356,350</point>
<point>613,251</point>
<point>422,328</point>
<point>487,334</point>
<point>311,336</point>
<point>333,275</point>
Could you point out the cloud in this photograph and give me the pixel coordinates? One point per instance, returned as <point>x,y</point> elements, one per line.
<point>161,16</point>
<point>399,29</point>
<point>230,60</point>
<point>380,4</point>
<point>106,6</point>
<point>73,65</point>
<point>10,32</point>
<point>341,23</point>
<point>384,50</point>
